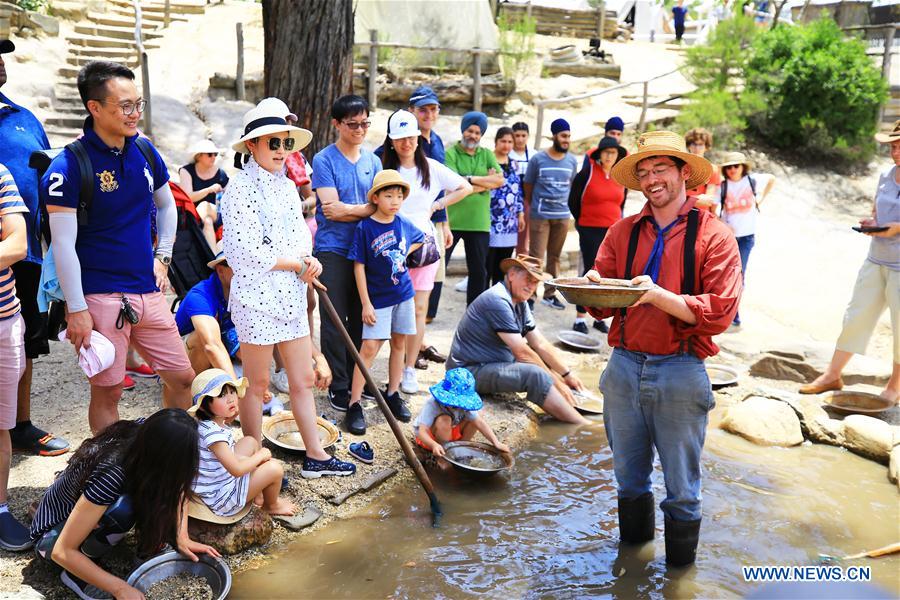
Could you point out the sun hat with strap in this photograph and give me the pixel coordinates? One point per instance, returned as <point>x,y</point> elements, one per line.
<point>266,119</point>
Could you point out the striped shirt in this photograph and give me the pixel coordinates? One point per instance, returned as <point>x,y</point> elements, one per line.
<point>103,487</point>
<point>10,202</point>
<point>221,491</point>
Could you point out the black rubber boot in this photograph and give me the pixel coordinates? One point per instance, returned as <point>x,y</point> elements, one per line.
<point>681,541</point>
<point>637,519</point>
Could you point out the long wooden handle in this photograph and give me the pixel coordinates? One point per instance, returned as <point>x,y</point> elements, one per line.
<point>411,457</point>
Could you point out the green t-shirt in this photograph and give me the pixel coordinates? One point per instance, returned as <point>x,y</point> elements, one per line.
<point>472,213</point>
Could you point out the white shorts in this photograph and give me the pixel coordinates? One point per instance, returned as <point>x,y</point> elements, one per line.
<point>399,318</point>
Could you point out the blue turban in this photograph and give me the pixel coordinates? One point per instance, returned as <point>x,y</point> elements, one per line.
<point>615,124</point>
<point>474,118</point>
<point>559,125</point>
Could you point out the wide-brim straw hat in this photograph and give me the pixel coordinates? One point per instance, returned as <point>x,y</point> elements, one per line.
<point>265,119</point>
<point>205,147</point>
<point>661,143</point>
<point>211,381</point>
<point>198,509</point>
<point>892,136</point>
<point>736,158</point>
<point>534,266</point>
<point>387,178</point>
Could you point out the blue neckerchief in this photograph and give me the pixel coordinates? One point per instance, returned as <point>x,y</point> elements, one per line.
<point>659,246</point>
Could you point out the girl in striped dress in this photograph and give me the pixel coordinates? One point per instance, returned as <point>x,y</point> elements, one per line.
<point>230,473</point>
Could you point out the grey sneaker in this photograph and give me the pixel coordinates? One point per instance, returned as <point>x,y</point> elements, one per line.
<point>280,381</point>
<point>553,302</point>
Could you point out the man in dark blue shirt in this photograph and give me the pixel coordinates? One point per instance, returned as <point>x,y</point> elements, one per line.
<point>21,134</point>
<point>108,269</point>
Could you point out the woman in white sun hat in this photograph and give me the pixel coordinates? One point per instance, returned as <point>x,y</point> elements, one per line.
<point>269,248</point>
<point>201,179</point>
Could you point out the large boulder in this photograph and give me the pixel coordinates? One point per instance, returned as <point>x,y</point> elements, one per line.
<point>894,466</point>
<point>785,368</point>
<point>868,437</point>
<point>764,421</point>
<point>254,529</point>
<point>815,423</point>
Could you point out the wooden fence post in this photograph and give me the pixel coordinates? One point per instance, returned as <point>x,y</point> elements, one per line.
<point>601,18</point>
<point>168,16</point>
<point>889,32</point>
<point>240,91</point>
<point>373,68</point>
<point>145,92</point>
<point>476,79</point>
<point>528,10</point>
<point>643,119</point>
<point>538,128</point>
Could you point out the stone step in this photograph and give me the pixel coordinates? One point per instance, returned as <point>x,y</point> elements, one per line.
<point>95,41</point>
<point>152,17</point>
<point>99,18</point>
<point>66,120</point>
<point>108,31</point>
<point>67,103</point>
<point>105,53</point>
<point>60,136</point>
<point>79,60</point>
<point>183,8</point>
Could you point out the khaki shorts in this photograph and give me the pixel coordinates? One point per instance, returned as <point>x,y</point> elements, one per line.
<point>877,287</point>
<point>439,239</point>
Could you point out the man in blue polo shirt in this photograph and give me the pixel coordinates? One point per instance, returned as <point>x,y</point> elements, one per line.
<point>342,175</point>
<point>21,134</point>
<point>109,272</point>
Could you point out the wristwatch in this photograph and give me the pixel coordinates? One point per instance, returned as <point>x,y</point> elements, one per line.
<point>165,260</point>
<point>469,179</point>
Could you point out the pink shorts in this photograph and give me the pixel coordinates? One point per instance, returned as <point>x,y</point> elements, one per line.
<point>155,337</point>
<point>423,277</point>
<point>313,226</point>
<point>12,359</point>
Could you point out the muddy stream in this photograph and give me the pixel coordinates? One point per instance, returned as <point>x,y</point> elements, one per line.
<point>549,528</point>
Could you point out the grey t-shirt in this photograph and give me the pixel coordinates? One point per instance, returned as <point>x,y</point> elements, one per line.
<point>552,180</point>
<point>886,251</point>
<point>432,409</point>
<point>476,341</point>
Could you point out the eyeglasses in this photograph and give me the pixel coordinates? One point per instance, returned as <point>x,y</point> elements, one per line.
<point>275,143</point>
<point>354,125</point>
<point>658,170</point>
<point>128,108</point>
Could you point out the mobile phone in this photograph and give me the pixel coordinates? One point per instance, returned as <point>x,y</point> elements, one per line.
<point>871,229</point>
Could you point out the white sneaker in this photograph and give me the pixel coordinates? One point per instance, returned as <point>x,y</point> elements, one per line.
<point>280,381</point>
<point>462,286</point>
<point>409,385</point>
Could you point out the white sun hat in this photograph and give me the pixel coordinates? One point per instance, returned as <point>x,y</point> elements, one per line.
<point>403,124</point>
<point>276,106</point>
<point>266,119</point>
<point>205,147</point>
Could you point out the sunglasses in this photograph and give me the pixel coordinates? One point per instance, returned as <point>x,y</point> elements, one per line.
<point>210,154</point>
<point>733,167</point>
<point>354,125</point>
<point>275,143</point>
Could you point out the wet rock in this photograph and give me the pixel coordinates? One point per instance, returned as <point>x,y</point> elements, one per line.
<point>868,437</point>
<point>764,421</point>
<point>25,592</point>
<point>815,422</point>
<point>253,530</point>
<point>894,466</point>
<point>772,366</point>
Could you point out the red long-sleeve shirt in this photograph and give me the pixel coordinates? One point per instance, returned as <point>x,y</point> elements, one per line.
<point>717,280</point>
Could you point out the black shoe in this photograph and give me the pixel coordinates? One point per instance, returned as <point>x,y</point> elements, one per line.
<point>580,327</point>
<point>83,589</point>
<point>681,541</point>
<point>398,407</point>
<point>601,326</point>
<point>25,436</point>
<point>355,421</point>
<point>431,354</point>
<point>637,519</point>
<point>339,400</point>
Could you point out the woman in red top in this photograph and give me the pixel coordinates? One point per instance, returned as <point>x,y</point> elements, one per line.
<point>596,201</point>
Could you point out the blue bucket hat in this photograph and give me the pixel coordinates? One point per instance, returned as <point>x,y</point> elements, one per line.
<point>457,390</point>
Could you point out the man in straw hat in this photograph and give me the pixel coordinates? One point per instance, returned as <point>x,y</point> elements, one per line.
<point>498,341</point>
<point>112,279</point>
<point>655,387</point>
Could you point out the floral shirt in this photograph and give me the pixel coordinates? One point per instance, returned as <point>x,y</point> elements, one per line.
<point>506,204</point>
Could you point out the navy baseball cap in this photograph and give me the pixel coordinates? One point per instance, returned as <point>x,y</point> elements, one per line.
<point>423,96</point>
<point>6,46</point>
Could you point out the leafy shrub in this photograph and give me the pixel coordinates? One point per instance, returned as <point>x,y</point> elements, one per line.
<point>822,92</point>
<point>34,5</point>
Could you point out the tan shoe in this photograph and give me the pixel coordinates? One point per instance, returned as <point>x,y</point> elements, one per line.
<point>819,388</point>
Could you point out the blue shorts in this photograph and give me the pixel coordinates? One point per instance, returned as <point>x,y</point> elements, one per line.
<point>399,318</point>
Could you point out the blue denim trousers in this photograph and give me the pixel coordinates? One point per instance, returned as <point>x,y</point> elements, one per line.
<point>745,245</point>
<point>657,402</point>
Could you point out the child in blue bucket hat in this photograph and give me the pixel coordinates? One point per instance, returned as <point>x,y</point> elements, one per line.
<point>451,414</point>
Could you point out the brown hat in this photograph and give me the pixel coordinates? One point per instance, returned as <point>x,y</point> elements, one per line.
<point>661,143</point>
<point>533,265</point>
<point>387,178</point>
<point>736,158</point>
<point>892,136</point>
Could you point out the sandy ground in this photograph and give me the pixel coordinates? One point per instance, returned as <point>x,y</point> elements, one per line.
<point>800,276</point>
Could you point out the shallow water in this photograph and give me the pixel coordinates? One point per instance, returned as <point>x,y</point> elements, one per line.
<point>549,528</point>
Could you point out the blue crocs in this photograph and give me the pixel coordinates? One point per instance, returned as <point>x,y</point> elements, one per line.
<point>313,469</point>
<point>362,451</point>
<point>13,535</point>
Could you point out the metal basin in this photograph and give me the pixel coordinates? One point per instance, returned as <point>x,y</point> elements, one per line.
<point>213,570</point>
<point>477,458</point>
<point>282,431</point>
<point>610,293</point>
<point>862,403</point>
<point>721,375</point>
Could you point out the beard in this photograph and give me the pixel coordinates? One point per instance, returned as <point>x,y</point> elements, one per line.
<point>469,144</point>
<point>558,148</point>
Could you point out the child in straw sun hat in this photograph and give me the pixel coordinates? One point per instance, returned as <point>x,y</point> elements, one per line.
<point>451,414</point>
<point>231,474</point>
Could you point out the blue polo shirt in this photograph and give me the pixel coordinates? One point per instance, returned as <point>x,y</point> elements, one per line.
<point>114,248</point>
<point>352,182</point>
<point>21,134</point>
<point>207,299</point>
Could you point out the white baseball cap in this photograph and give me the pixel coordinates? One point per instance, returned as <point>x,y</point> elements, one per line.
<point>403,124</point>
